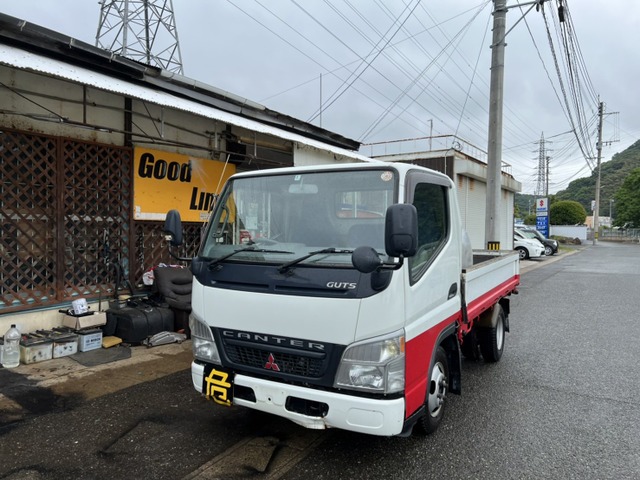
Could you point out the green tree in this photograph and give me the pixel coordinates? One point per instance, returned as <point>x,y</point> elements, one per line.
<point>567,212</point>
<point>530,219</point>
<point>628,200</point>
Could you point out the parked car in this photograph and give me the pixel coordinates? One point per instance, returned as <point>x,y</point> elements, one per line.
<point>550,245</point>
<point>527,247</point>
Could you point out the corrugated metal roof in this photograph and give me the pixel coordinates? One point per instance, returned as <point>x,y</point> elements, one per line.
<point>24,60</point>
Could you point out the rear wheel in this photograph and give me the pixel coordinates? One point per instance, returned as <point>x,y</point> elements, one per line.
<point>437,392</point>
<point>524,253</point>
<point>492,339</point>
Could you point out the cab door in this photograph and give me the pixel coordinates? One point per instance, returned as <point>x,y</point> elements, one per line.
<point>433,279</point>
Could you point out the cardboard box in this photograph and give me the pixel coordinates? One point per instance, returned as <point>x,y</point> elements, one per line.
<point>78,322</point>
<point>89,339</point>
<point>35,349</point>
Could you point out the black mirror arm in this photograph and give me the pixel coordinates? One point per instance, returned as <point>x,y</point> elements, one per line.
<point>392,265</point>
<point>182,259</point>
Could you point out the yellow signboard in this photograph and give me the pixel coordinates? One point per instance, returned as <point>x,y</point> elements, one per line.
<point>164,181</point>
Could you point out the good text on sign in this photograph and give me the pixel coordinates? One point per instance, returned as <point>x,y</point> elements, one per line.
<point>166,180</point>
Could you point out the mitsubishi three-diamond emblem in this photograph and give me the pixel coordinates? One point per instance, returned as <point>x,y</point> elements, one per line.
<point>271,364</point>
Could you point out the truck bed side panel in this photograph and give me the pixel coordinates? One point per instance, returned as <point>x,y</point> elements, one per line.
<point>497,271</point>
<point>490,298</point>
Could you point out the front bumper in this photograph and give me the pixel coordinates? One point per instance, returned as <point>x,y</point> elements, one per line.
<point>347,412</point>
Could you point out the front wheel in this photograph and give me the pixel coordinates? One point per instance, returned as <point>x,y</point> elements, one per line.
<point>492,339</point>
<point>437,392</point>
<point>548,251</point>
<point>524,253</point>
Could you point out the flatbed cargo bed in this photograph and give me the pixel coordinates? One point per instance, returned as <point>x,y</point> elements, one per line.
<point>494,274</point>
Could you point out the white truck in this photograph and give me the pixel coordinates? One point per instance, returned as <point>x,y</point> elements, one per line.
<point>343,296</point>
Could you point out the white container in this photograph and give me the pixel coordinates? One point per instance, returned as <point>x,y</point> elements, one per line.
<point>89,339</point>
<point>11,350</point>
<point>79,306</point>
<point>35,349</point>
<point>64,345</point>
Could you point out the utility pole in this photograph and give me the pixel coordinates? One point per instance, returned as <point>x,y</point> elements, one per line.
<point>494,149</point>
<point>596,210</point>
<point>496,100</point>
<point>546,186</point>
<point>320,114</point>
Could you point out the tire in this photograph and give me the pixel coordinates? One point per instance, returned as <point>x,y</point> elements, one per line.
<point>548,251</point>
<point>492,339</point>
<point>436,393</point>
<point>524,253</point>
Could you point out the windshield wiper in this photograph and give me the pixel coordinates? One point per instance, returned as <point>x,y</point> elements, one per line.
<point>286,266</point>
<point>216,261</point>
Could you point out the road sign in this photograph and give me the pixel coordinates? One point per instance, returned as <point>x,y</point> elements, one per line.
<point>542,225</point>
<point>541,206</point>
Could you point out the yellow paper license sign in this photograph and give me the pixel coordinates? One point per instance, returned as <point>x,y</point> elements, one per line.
<point>218,385</point>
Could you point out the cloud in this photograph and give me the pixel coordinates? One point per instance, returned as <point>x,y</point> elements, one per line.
<point>432,74</point>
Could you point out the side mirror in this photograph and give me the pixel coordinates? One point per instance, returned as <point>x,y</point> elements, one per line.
<point>401,230</point>
<point>173,228</point>
<point>366,259</point>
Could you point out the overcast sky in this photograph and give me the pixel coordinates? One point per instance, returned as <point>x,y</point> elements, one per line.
<point>403,69</point>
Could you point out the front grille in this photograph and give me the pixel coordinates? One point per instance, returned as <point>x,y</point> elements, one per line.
<point>288,363</point>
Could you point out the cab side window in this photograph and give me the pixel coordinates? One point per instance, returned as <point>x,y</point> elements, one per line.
<point>430,201</point>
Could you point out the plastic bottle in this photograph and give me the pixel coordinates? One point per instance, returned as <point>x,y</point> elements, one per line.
<point>11,354</point>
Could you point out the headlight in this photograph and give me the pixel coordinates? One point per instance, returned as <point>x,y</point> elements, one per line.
<point>375,365</point>
<point>204,345</point>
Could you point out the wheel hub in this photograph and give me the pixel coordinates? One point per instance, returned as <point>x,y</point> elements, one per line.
<point>437,389</point>
<point>499,334</point>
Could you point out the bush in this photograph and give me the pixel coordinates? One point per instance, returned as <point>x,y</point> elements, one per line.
<point>567,212</point>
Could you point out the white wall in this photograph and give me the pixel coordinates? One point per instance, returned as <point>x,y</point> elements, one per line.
<point>304,155</point>
<point>569,231</point>
<point>472,198</point>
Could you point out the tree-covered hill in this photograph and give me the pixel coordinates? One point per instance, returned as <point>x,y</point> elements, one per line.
<point>583,190</point>
<point>612,176</point>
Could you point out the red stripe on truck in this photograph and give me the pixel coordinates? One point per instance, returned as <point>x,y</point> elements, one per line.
<point>489,299</point>
<point>418,353</point>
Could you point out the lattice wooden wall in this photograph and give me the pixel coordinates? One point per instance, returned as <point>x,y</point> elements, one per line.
<point>151,249</point>
<point>66,222</point>
<point>96,210</point>
<point>28,235</point>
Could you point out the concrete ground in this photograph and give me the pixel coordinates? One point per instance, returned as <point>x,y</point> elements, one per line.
<point>65,378</point>
<point>38,387</point>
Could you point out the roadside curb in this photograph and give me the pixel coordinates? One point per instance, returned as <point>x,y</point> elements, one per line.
<point>537,263</point>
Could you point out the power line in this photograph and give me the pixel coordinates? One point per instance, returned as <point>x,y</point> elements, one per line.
<point>376,51</point>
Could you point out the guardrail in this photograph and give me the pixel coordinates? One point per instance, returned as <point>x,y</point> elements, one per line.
<point>630,234</point>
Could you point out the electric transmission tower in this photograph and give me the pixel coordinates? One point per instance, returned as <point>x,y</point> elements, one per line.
<point>542,185</point>
<point>143,30</point>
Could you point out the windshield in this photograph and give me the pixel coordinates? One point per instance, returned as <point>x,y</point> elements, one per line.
<point>527,233</point>
<point>283,217</point>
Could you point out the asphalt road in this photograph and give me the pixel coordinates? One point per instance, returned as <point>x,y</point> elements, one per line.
<point>563,403</point>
